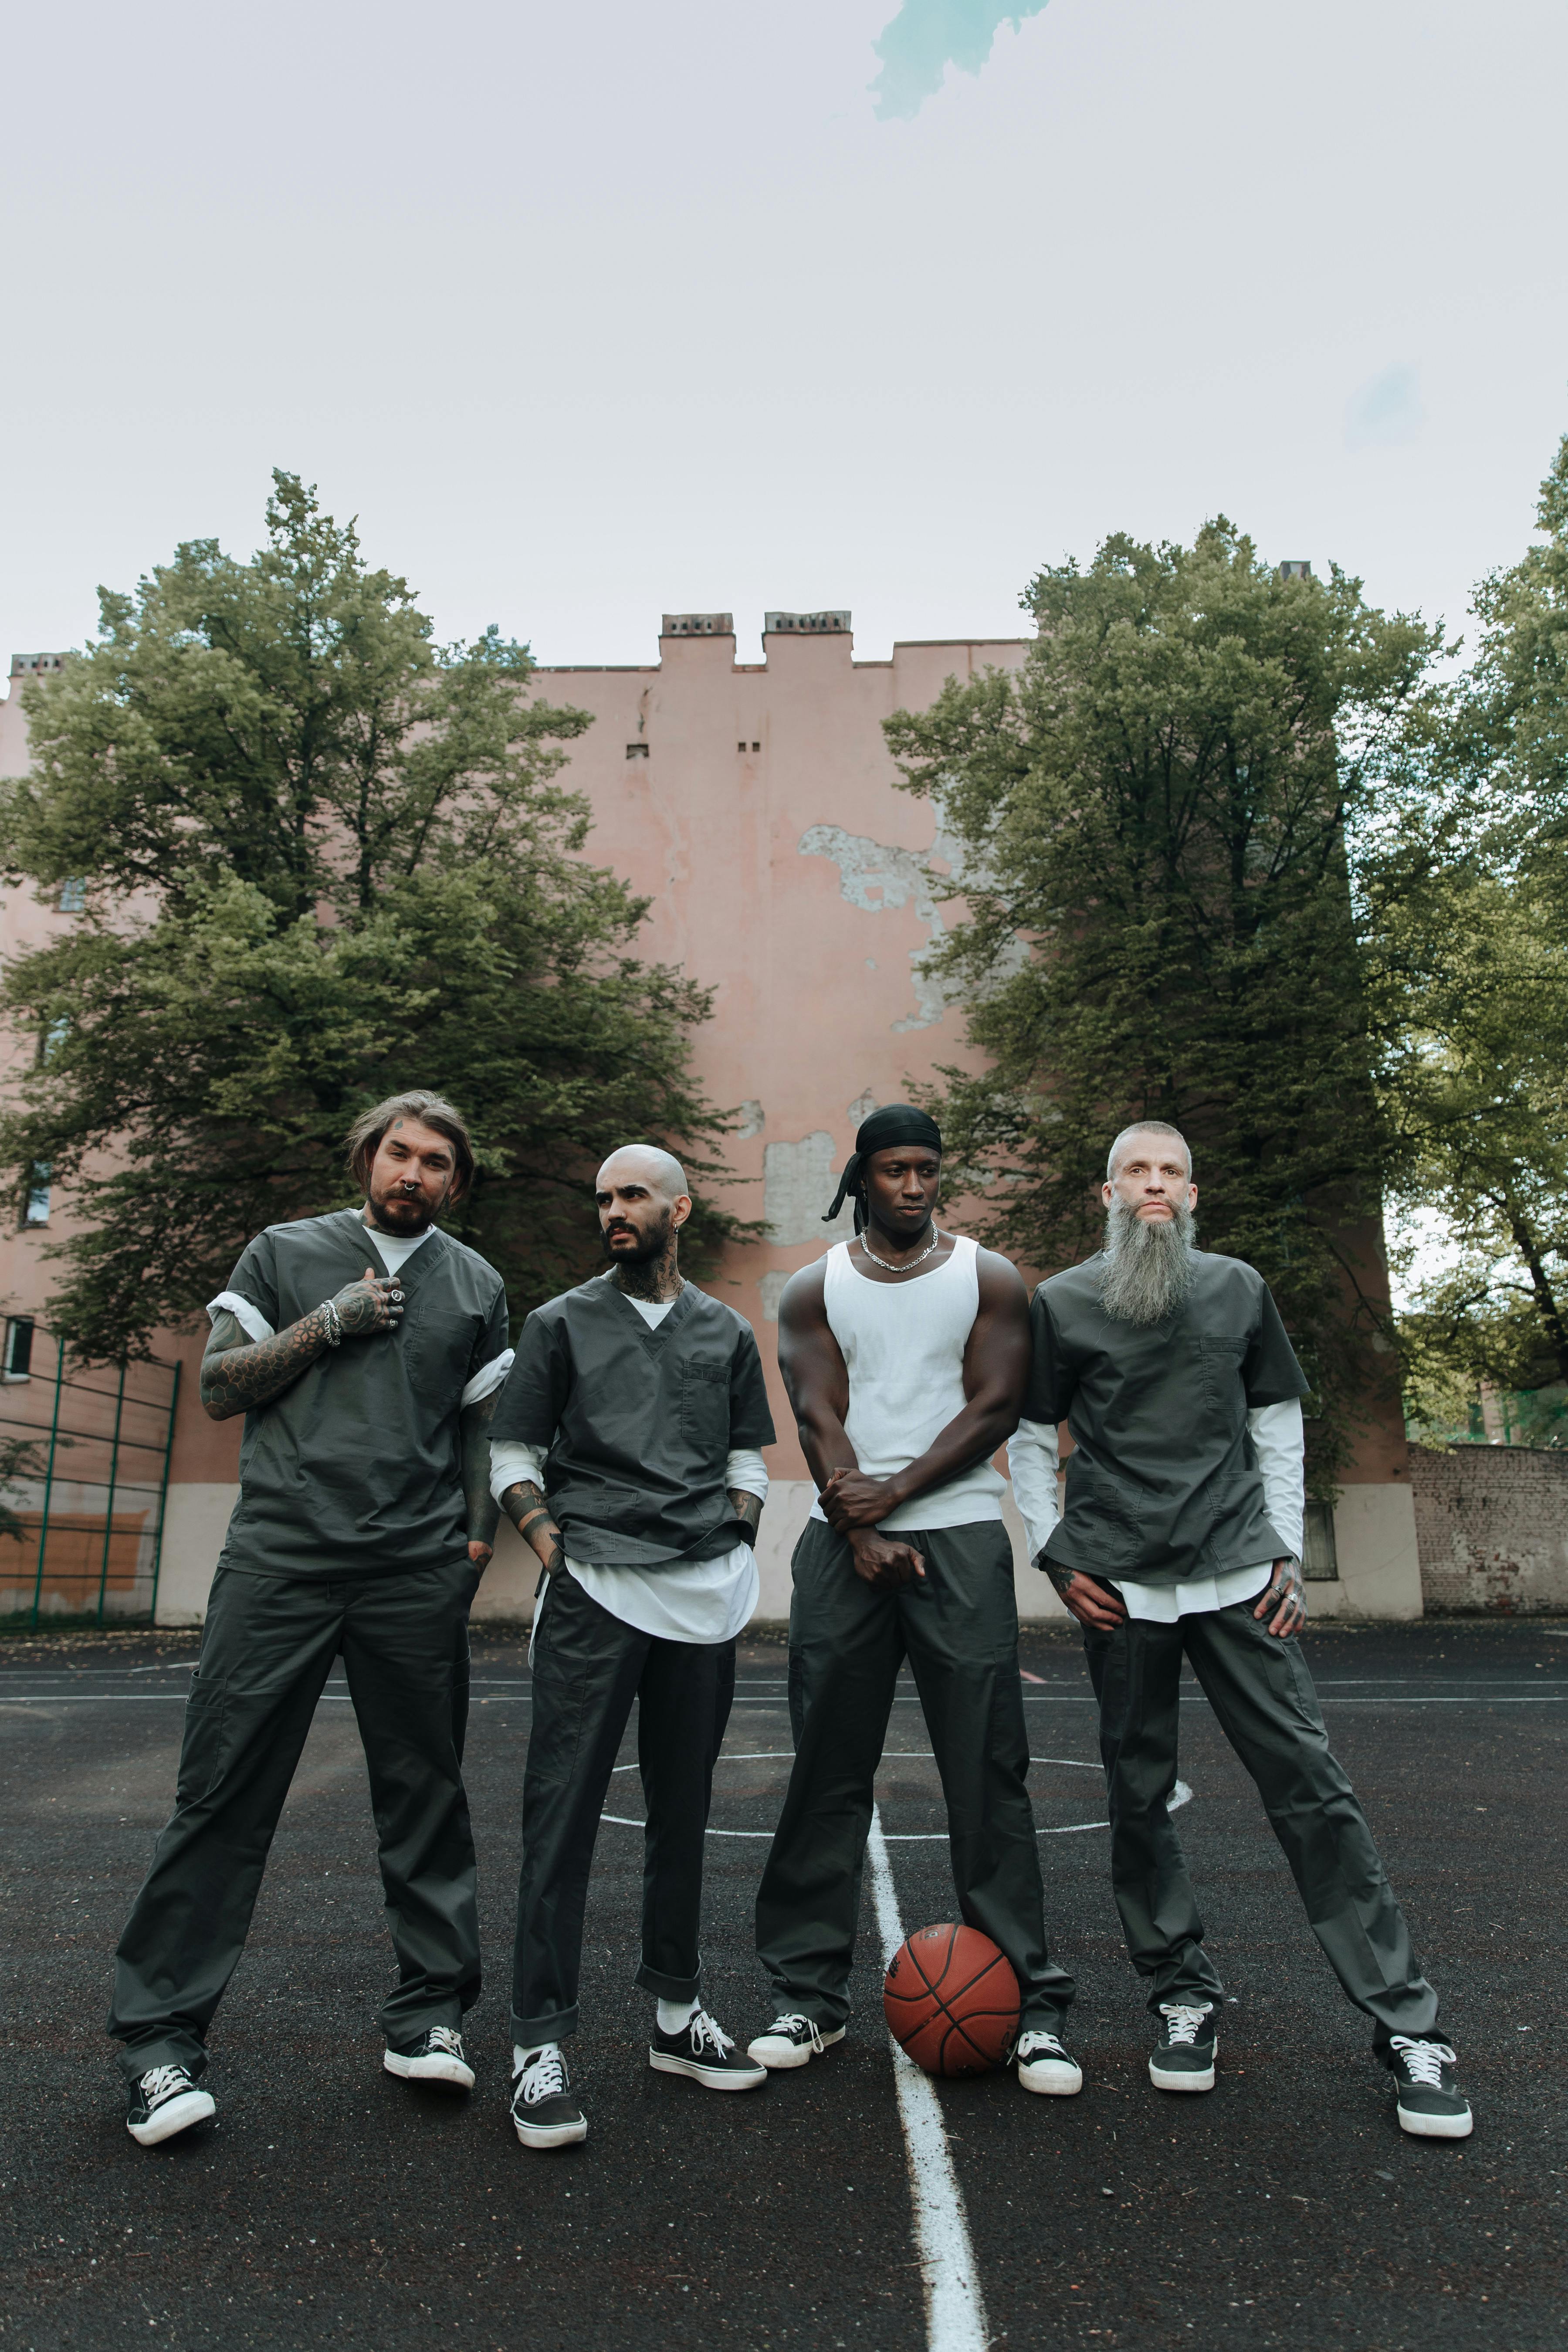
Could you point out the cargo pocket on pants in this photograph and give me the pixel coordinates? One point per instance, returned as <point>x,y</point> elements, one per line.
<point>201,1750</point>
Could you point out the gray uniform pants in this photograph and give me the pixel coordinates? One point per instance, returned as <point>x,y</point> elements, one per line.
<point>588,1668</point>
<point>959,1630</point>
<point>1264,1702</point>
<point>267,1649</point>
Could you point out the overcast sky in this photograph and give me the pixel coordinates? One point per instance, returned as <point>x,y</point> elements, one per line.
<point>590,312</point>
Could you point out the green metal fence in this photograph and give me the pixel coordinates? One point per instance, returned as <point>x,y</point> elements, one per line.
<point>84,1479</point>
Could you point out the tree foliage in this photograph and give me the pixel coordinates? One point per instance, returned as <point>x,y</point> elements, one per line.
<point>1465,888</point>
<point>1149,824</point>
<point>324,857</point>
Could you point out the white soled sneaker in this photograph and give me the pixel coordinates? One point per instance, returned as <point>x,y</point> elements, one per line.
<point>1427,2101</point>
<point>1184,2055</point>
<point>436,2057</point>
<point>1045,2065</point>
<point>791,2039</point>
<point>544,2107</point>
<point>166,2101</point>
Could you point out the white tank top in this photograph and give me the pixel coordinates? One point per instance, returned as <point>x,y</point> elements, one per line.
<point>904,1343</point>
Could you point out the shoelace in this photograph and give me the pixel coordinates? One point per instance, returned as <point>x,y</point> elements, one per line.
<point>1424,2060</point>
<point>1035,2045</point>
<point>791,2021</point>
<point>545,2078</point>
<point>161,2084</point>
<point>705,2031</point>
<point>1183,2025</point>
<point>443,2038</point>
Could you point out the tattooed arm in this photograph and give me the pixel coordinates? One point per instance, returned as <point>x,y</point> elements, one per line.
<point>748,1509</point>
<point>238,1374</point>
<point>483,1514</point>
<point>531,1516</point>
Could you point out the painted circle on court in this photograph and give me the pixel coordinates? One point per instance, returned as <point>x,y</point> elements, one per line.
<point>1181,1794</point>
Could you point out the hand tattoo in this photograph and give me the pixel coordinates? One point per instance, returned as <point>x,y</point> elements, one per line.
<point>748,1509</point>
<point>1285,1598</point>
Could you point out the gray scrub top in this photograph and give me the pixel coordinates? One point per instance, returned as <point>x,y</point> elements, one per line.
<point>356,1470</point>
<point>1165,1483</point>
<point>639,1420</point>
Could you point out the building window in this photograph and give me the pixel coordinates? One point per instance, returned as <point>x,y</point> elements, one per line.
<point>19,1348</point>
<point>37,1212</point>
<point>636,751</point>
<point>1320,1561</point>
<point>73,895</point>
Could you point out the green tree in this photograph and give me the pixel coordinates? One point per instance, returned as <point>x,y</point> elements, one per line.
<point>1149,821</point>
<point>1465,890</point>
<point>323,857</point>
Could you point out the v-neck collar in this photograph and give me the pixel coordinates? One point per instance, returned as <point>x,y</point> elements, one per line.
<point>653,1333</point>
<point>412,1271</point>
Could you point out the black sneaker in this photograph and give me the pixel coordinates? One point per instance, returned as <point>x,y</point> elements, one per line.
<point>436,2057</point>
<point>1184,2055</point>
<point>1046,2065</point>
<point>791,2039</point>
<point>1427,2101</point>
<point>166,2101</point>
<point>543,2106</point>
<point>704,2050</point>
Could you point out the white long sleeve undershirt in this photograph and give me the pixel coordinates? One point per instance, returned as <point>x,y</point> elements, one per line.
<point>1278,1440</point>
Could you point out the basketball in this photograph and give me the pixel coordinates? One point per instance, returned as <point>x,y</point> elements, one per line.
<point>951,2001</point>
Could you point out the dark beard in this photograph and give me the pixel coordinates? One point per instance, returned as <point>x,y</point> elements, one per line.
<point>402,1229</point>
<point>641,1272</point>
<point>1149,1266</point>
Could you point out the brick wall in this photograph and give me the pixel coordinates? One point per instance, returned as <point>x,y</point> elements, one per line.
<point>1492,1527</point>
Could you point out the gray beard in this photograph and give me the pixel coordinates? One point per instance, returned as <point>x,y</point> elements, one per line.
<point>1149,1266</point>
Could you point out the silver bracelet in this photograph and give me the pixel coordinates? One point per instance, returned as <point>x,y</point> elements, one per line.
<point>334,1323</point>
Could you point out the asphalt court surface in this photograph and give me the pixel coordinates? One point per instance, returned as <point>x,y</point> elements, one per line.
<point>332,2204</point>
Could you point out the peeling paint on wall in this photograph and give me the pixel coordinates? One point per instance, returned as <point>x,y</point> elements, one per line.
<point>799,1180</point>
<point>753,1119</point>
<point>874,876</point>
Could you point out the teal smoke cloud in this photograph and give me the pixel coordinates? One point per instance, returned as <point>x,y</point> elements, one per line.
<point>928,36</point>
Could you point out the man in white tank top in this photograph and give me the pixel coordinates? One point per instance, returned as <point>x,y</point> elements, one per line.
<point>906,1354</point>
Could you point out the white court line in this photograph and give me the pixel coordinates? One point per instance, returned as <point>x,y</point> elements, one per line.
<point>955,2310</point>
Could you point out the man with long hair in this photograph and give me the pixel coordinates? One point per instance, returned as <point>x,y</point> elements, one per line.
<point>906,1353</point>
<point>1181,1542</point>
<point>626,1449</point>
<point>365,1348</point>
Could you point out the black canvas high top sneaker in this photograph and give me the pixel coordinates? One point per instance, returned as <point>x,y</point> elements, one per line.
<point>543,2107</point>
<point>791,2039</point>
<point>703,2048</point>
<point>1184,2055</point>
<point>166,2101</point>
<point>436,2057</point>
<point>1427,2101</point>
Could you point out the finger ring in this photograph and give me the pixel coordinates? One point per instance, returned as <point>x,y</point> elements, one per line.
<point>396,1298</point>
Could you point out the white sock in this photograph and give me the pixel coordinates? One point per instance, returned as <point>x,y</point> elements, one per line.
<point>521,2057</point>
<point>674,2014</point>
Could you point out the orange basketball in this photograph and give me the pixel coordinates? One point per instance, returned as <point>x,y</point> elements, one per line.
<point>951,2001</point>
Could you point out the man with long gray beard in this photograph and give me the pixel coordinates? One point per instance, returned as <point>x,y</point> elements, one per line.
<point>1181,1539</point>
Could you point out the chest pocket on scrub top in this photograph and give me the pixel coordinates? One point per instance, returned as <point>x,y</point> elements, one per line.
<point>1221,1373</point>
<point>705,1404</point>
<point>437,1345</point>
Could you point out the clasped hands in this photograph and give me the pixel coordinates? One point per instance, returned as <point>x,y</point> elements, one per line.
<point>852,1503</point>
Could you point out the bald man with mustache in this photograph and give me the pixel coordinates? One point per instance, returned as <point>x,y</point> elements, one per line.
<point>625,1450</point>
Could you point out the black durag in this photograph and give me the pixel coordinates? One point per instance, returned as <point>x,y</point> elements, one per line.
<point>894,1123</point>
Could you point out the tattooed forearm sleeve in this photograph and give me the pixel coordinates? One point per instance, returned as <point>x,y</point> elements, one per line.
<point>238,1374</point>
<point>483,1511</point>
<point>747,1508</point>
<point>533,1518</point>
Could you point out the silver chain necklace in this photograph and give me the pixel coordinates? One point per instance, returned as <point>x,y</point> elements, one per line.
<point>934,1244</point>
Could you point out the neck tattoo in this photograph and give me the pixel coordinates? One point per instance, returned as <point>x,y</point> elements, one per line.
<point>909,1263</point>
